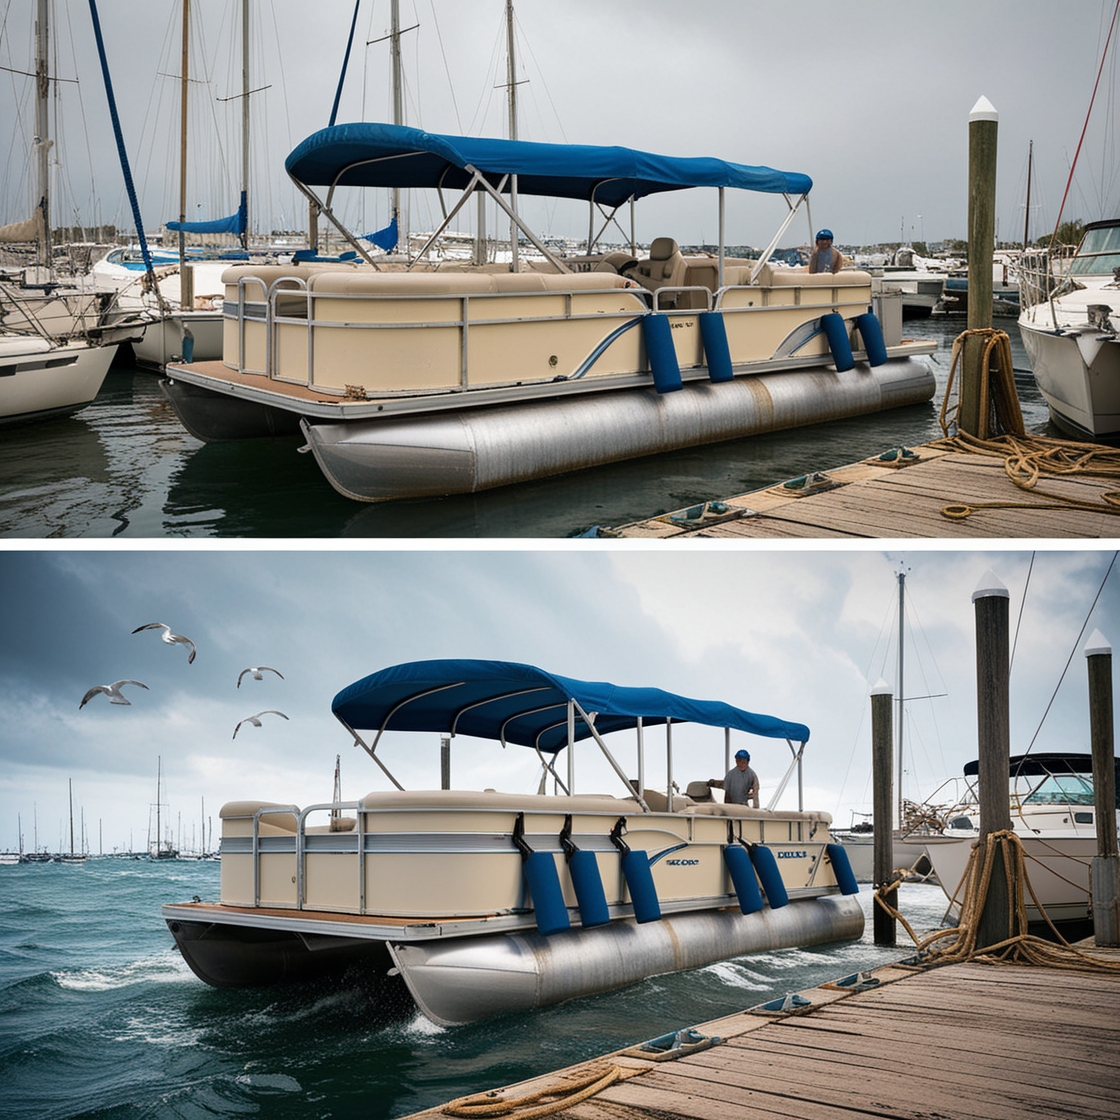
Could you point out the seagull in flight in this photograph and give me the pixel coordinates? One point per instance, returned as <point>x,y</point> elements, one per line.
<point>168,637</point>
<point>256,720</point>
<point>113,691</point>
<point>257,672</point>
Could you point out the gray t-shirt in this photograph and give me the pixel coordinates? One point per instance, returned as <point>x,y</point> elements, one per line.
<point>737,783</point>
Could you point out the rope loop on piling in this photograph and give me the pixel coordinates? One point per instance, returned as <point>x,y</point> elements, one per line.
<point>524,1107</point>
<point>1027,458</point>
<point>949,946</point>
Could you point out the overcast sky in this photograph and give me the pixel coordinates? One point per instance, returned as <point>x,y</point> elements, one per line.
<point>868,97</point>
<point>802,635</point>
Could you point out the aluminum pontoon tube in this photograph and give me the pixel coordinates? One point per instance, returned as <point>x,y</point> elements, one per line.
<point>461,981</point>
<point>380,460</point>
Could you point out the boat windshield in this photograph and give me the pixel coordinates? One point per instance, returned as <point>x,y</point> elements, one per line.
<point>1061,789</point>
<point>1099,253</point>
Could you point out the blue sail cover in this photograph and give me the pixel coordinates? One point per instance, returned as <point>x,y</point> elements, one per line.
<point>235,223</point>
<point>384,238</point>
<point>525,705</point>
<point>366,154</point>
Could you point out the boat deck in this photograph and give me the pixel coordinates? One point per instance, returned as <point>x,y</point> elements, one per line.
<point>967,1041</point>
<point>873,499</point>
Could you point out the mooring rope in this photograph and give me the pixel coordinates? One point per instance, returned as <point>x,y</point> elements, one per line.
<point>1000,433</point>
<point>960,943</point>
<point>523,1108</point>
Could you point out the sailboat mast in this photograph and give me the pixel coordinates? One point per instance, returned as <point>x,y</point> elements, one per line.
<point>245,116</point>
<point>511,80</point>
<point>71,784</point>
<point>1027,213</point>
<point>42,126</point>
<point>398,108</point>
<point>159,837</point>
<point>184,78</point>
<point>901,692</point>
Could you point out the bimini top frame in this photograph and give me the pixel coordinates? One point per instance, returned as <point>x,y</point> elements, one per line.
<point>367,154</point>
<point>526,706</point>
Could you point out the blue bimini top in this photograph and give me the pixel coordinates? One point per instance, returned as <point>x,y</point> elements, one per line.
<point>524,705</point>
<point>364,154</point>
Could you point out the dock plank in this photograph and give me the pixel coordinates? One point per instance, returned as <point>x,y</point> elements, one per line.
<point>876,501</point>
<point>961,1042</point>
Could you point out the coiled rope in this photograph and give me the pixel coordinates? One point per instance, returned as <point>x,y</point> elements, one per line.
<point>960,943</point>
<point>1026,458</point>
<point>523,1108</point>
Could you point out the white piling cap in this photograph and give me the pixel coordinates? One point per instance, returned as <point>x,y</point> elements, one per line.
<point>881,688</point>
<point>983,110</point>
<point>990,585</point>
<point>1097,644</point>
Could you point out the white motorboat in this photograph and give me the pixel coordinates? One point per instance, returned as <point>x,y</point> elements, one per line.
<point>484,902</point>
<point>42,378</point>
<point>1069,326</point>
<point>420,383</point>
<point>1053,814</point>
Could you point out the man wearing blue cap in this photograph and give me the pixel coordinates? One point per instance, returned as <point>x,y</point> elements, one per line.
<point>825,258</point>
<point>740,787</point>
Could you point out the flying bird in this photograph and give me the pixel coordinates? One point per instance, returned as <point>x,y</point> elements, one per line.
<point>257,671</point>
<point>168,637</point>
<point>113,691</point>
<point>256,720</point>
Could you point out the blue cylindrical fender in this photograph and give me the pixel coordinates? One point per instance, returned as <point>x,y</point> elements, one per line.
<point>771,878</point>
<point>842,869</point>
<point>539,869</point>
<point>584,870</point>
<point>743,878</point>
<point>639,882</point>
<point>871,331</point>
<point>837,334</point>
<point>658,336</point>
<point>717,352</point>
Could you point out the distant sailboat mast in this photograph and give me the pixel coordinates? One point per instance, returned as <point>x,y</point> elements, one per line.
<point>184,82</point>
<point>511,79</point>
<point>245,118</point>
<point>42,128</point>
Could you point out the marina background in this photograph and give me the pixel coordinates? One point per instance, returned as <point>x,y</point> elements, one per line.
<point>869,97</point>
<point>125,468</point>
<point>100,1016</point>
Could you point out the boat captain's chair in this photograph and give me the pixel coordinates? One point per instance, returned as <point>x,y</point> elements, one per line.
<point>664,268</point>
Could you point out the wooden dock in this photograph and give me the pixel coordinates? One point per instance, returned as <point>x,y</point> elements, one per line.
<point>967,1041</point>
<point>903,494</point>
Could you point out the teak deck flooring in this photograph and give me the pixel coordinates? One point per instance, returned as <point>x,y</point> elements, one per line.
<point>959,1042</point>
<point>875,500</point>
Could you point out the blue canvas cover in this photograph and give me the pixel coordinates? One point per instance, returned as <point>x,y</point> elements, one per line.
<point>366,154</point>
<point>525,705</point>
<point>235,223</point>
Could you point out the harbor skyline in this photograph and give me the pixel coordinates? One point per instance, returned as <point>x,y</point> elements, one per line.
<point>869,98</point>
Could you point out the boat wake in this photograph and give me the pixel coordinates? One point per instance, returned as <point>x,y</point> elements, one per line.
<point>166,967</point>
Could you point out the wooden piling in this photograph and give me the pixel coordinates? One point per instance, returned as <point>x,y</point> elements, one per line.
<point>983,126</point>
<point>1105,873</point>
<point>884,924</point>
<point>994,745</point>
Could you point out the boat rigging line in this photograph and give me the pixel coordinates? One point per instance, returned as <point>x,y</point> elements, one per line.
<point>1073,650</point>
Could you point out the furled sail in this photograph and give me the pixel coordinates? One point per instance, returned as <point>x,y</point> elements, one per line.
<point>235,223</point>
<point>384,238</point>
<point>30,230</point>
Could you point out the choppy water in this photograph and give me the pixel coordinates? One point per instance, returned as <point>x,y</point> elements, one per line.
<point>100,1017</point>
<point>125,467</point>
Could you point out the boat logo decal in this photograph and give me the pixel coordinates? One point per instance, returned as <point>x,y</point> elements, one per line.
<point>682,862</point>
<point>793,855</point>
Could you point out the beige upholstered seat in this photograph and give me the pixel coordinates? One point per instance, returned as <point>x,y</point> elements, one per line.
<point>664,268</point>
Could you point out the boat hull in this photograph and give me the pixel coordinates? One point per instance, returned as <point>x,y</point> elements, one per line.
<point>382,460</point>
<point>215,417</point>
<point>461,981</point>
<point>233,956</point>
<point>1078,374</point>
<point>162,340</point>
<point>39,381</point>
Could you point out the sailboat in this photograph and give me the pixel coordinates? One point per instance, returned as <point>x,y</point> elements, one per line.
<point>184,314</point>
<point>162,849</point>
<point>48,366</point>
<point>72,856</point>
